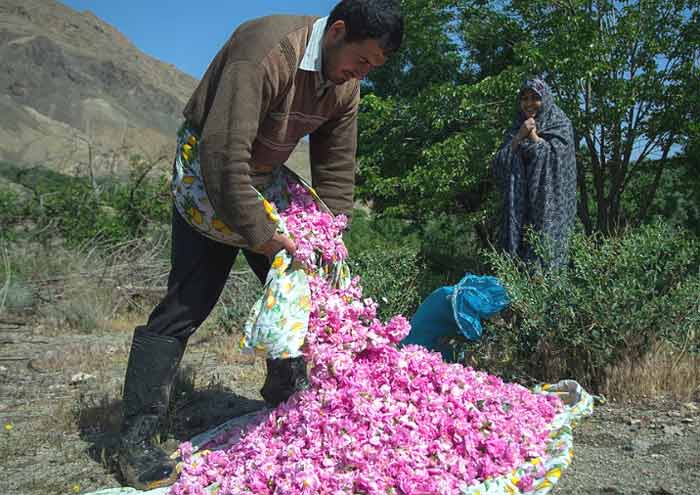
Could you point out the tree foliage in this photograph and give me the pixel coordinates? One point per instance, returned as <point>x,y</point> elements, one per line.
<point>621,295</point>
<point>625,72</point>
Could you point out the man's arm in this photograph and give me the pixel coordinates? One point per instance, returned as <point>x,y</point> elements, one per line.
<point>333,147</point>
<point>241,100</point>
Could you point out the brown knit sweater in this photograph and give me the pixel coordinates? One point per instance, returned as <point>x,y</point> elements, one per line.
<point>253,106</point>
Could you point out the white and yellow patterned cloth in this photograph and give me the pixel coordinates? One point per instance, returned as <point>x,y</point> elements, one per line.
<point>192,202</point>
<point>190,197</point>
<point>279,320</point>
<point>559,451</point>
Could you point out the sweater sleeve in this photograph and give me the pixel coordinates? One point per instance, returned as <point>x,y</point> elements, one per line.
<point>333,147</point>
<point>240,101</point>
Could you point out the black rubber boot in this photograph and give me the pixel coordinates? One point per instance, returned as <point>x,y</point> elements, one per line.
<point>153,364</point>
<point>284,377</point>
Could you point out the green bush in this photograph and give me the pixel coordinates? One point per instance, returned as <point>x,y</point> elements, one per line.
<point>116,214</point>
<point>15,208</point>
<point>450,248</point>
<point>70,206</point>
<point>618,297</point>
<point>390,278</point>
<point>10,206</point>
<point>387,260</point>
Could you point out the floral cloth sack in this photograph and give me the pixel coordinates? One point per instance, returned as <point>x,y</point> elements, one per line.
<point>278,322</point>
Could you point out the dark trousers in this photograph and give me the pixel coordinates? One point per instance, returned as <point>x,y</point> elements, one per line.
<point>199,269</point>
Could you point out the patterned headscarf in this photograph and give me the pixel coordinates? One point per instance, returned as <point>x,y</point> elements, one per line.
<point>549,116</point>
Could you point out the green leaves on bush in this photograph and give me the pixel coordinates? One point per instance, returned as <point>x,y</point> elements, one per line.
<point>387,259</point>
<point>71,207</point>
<point>620,295</point>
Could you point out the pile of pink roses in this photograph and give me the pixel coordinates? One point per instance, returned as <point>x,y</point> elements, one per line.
<point>318,235</point>
<point>377,419</point>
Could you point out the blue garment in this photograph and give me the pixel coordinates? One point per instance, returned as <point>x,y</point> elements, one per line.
<point>476,297</point>
<point>433,321</point>
<point>456,309</point>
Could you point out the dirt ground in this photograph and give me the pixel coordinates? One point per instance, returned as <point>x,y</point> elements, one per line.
<point>59,410</point>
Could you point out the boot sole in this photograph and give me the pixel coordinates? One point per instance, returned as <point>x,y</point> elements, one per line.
<point>161,483</point>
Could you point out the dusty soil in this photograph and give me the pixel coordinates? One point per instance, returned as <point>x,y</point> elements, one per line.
<point>59,426</point>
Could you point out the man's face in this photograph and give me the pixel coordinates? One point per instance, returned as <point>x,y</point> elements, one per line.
<point>343,61</point>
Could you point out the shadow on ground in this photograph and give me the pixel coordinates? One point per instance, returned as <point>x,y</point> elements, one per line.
<point>191,413</point>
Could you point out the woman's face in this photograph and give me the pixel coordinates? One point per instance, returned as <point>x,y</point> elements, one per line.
<point>530,103</point>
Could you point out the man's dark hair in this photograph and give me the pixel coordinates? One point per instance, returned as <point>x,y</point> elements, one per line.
<point>370,19</point>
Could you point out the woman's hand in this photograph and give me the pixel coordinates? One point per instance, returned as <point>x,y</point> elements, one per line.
<point>275,245</point>
<point>527,129</point>
<point>535,137</point>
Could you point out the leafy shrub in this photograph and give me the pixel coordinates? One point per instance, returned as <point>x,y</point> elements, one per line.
<point>116,214</point>
<point>70,206</point>
<point>618,297</point>
<point>387,259</point>
<point>450,248</point>
<point>11,206</point>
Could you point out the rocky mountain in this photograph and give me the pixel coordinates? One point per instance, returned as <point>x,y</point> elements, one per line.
<point>71,84</point>
<point>74,90</point>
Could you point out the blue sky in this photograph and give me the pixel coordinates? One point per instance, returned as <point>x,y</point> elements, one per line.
<point>189,33</point>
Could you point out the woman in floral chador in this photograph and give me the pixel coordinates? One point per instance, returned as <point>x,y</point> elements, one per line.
<point>536,172</point>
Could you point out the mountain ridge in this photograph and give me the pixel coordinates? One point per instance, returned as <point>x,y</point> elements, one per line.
<point>75,93</point>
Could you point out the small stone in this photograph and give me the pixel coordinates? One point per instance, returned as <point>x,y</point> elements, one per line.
<point>689,409</point>
<point>636,446</point>
<point>81,378</point>
<point>610,490</point>
<point>687,420</point>
<point>634,422</point>
<point>673,430</point>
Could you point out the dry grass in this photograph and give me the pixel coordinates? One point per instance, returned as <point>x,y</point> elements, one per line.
<point>126,322</point>
<point>91,357</point>
<point>85,289</point>
<point>227,350</point>
<point>76,310</point>
<point>662,372</point>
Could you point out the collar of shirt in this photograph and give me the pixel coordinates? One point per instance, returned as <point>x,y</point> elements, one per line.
<point>312,60</point>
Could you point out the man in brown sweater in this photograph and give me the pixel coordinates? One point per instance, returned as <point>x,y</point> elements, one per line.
<point>275,81</point>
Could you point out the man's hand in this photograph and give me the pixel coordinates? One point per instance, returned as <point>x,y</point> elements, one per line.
<point>275,245</point>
